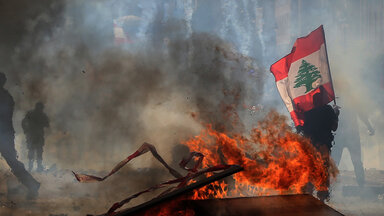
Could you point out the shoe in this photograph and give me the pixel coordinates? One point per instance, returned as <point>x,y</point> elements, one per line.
<point>323,196</point>
<point>308,188</point>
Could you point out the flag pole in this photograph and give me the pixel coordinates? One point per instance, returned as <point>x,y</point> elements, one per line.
<point>329,69</point>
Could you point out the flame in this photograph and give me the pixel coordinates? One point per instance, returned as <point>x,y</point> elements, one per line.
<point>275,160</point>
<point>171,208</point>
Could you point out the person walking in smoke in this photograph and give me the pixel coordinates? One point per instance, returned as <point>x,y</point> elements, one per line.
<point>7,145</point>
<point>319,125</point>
<point>33,125</point>
<point>348,137</point>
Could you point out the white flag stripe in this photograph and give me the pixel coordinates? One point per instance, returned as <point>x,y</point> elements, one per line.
<point>319,60</point>
<point>282,88</point>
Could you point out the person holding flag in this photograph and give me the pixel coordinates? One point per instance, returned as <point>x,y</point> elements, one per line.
<point>304,82</point>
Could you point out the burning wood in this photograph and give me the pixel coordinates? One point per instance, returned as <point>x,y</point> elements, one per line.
<point>275,161</point>
<point>142,150</point>
<point>181,181</point>
<point>182,191</point>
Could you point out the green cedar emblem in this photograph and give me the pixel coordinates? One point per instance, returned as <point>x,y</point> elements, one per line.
<point>307,76</point>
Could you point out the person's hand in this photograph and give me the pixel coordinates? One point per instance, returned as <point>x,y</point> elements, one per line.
<point>299,129</point>
<point>336,109</point>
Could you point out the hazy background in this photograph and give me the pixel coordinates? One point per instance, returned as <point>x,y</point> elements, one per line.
<point>190,56</point>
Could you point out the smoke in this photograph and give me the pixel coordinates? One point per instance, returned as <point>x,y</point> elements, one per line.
<point>103,100</point>
<point>355,54</point>
<point>357,73</point>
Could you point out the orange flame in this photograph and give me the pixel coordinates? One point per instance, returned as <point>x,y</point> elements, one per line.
<point>171,208</point>
<point>275,160</point>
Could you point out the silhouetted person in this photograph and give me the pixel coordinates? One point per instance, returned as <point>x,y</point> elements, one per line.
<point>348,137</point>
<point>7,145</point>
<point>319,124</point>
<point>33,125</point>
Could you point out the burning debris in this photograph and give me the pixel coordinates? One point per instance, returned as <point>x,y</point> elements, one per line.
<point>177,197</point>
<point>181,181</point>
<point>283,205</point>
<point>174,63</point>
<point>275,161</point>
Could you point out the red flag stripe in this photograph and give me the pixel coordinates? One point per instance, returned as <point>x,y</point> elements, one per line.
<point>298,118</point>
<point>303,46</point>
<point>305,102</point>
<point>280,68</point>
<point>309,44</point>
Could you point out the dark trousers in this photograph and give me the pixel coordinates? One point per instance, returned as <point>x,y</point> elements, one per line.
<point>354,147</point>
<point>8,151</point>
<point>35,151</point>
<point>325,151</point>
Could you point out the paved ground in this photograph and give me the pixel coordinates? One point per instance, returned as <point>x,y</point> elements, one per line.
<point>349,199</point>
<point>61,195</point>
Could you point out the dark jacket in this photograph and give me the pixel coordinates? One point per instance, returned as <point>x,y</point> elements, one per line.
<point>319,124</point>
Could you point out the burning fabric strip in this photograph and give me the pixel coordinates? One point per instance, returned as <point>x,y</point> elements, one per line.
<point>180,180</point>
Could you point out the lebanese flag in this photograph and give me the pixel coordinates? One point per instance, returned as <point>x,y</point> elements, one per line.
<point>121,37</point>
<point>303,73</point>
<point>119,34</point>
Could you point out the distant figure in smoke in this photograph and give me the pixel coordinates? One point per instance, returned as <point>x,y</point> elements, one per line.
<point>319,124</point>
<point>33,125</point>
<point>7,145</point>
<point>348,137</point>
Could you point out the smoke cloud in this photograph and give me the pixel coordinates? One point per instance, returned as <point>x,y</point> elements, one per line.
<point>104,100</point>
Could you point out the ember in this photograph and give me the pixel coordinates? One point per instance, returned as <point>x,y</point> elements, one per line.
<point>172,208</point>
<point>275,160</point>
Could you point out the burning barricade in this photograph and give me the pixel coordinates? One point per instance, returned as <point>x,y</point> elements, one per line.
<point>275,161</point>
